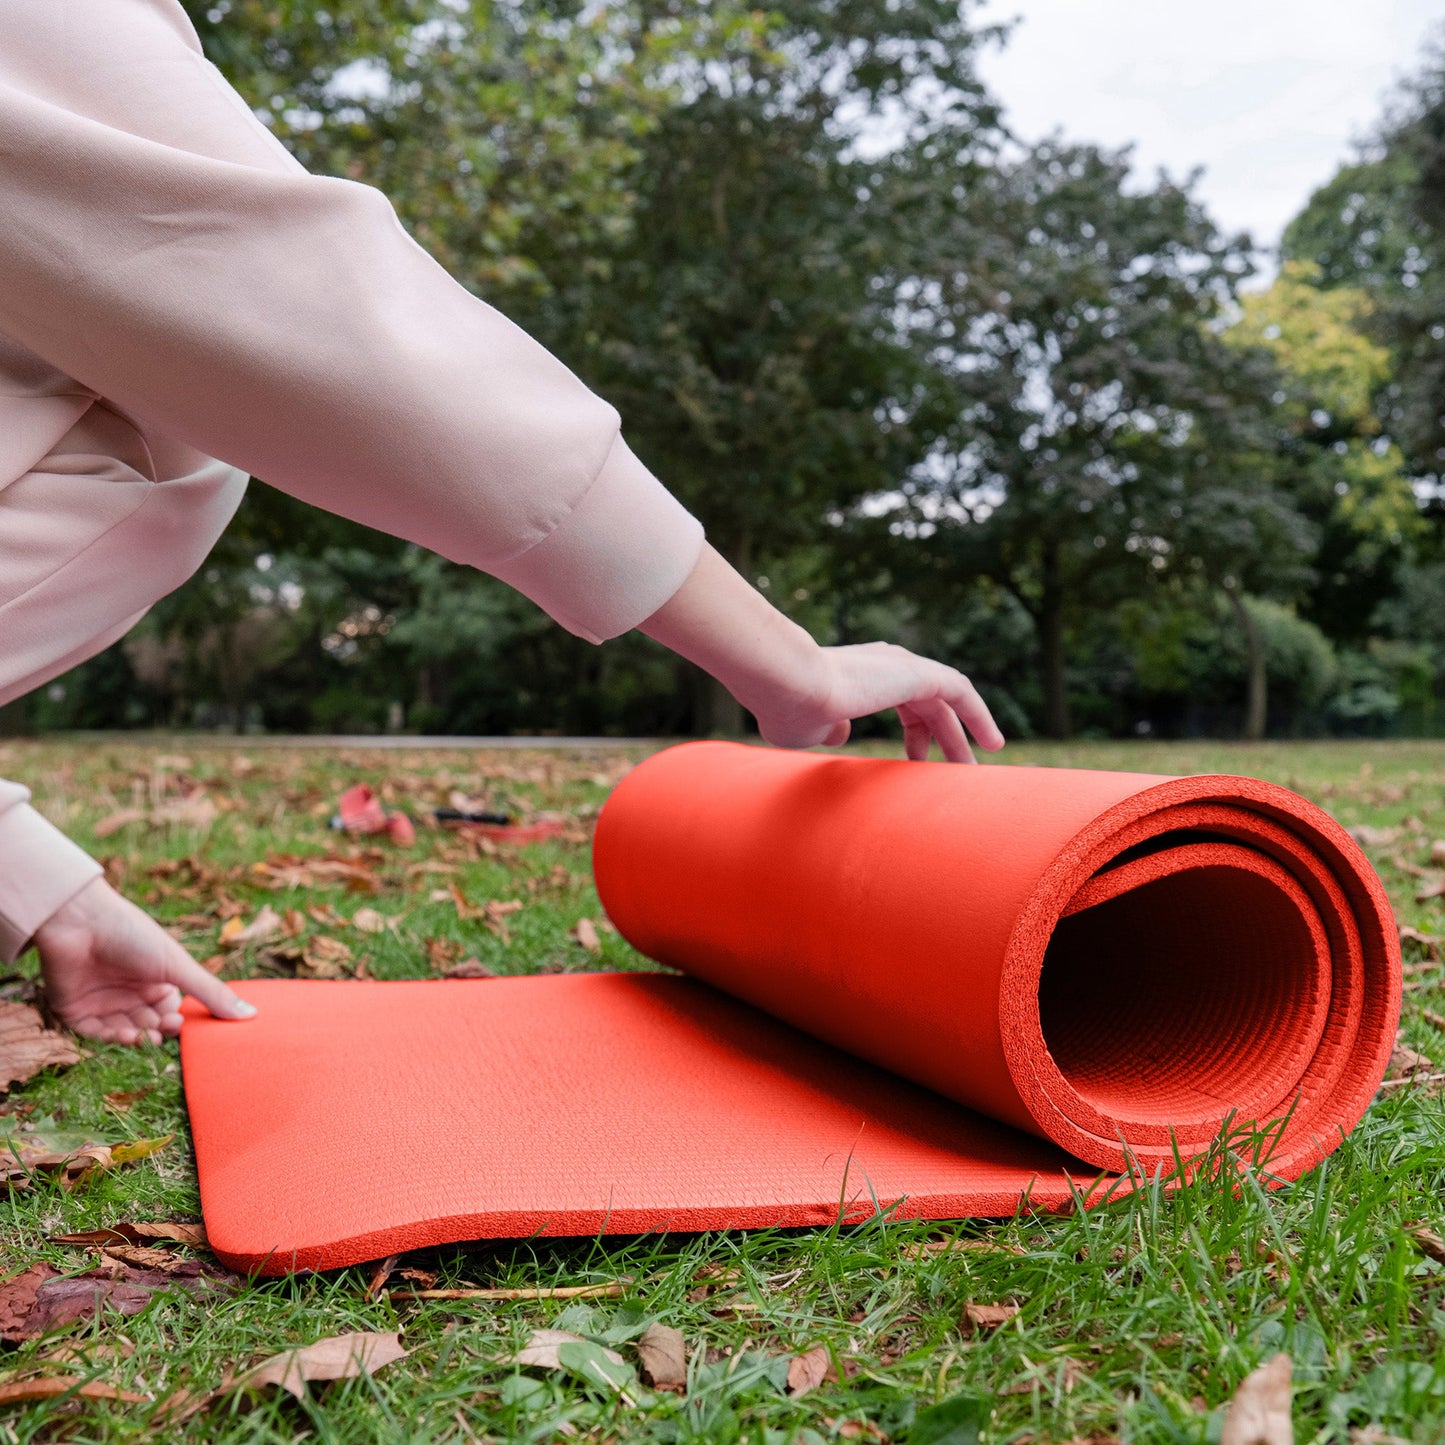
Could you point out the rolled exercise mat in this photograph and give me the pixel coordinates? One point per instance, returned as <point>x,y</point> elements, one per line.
<point>944,990</point>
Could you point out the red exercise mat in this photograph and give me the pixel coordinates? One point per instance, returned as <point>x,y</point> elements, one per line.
<point>944,989</point>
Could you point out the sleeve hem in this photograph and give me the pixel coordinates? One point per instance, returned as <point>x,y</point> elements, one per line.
<point>41,870</point>
<point>618,556</point>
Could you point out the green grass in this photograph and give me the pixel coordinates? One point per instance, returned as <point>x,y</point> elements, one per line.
<point>1138,1319</point>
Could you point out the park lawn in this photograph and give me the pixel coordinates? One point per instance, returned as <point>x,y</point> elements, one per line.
<point>1136,1321</point>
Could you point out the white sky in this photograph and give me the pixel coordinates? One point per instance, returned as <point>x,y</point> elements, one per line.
<point>1267,95</point>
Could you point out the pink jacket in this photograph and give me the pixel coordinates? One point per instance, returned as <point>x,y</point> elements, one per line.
<point>181,304</point>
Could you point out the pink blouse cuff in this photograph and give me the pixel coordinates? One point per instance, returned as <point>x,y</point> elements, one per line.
<point>41,870</point>
<point>616,558</point>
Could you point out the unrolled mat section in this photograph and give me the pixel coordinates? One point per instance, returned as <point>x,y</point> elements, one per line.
<point>941,989</point>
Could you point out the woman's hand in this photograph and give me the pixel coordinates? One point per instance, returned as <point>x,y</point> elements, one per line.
<point>113,973</point>
<point>934,702</point>
<point>802,694</point>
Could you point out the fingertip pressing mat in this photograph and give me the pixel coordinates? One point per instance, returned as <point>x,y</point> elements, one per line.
<point>940,989</point>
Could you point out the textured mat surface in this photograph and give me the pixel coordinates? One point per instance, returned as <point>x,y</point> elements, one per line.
<point>936,987</point>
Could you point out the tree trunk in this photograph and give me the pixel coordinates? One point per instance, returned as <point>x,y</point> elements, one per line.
<point>1256,702</point>
<point>1049,620</point>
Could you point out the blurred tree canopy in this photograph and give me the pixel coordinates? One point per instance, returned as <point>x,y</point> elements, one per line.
<point>1014,405</point>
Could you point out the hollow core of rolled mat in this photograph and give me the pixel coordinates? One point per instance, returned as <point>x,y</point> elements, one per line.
<point>937,989</point>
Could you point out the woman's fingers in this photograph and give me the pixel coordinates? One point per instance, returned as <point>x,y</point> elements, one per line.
<point>943,722</point>
<point>916,733</point>
<point>963,699</point>
<point>203,986</point>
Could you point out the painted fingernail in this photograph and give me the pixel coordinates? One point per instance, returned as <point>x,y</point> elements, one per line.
<point>243,1010</point>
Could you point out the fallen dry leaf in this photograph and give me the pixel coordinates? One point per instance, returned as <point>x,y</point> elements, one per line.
<point>325,958</point>
<point>586,934</point>
<point>124,1099</point>
<point>340,1357</point>
<point>50,1387</point>
<point>1405,1061</point>
<point>808,1371</point>
<point>541,1349</point>
<point>442,953</point>
<point>40,1299</point>
<point>468,968</point>
<point>24,1158</point>
<point>1260,1412</point>
<point>1429,1241</point>
<point>114,822</point>
<point>987,1317</point>
<point>27,1046</point>
<point>1437,852</point>
<point>265,926</point>
<point>195,810</point>
<point>929,1247</point>
<point>191,1234</point>
<point>146,1256</point>
<point>663,1355</point>
<point>368,920</point>
<point>1430,943</point>
<point>381,1272</point>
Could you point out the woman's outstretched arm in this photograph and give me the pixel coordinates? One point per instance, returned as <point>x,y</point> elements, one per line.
<point>802,694</point>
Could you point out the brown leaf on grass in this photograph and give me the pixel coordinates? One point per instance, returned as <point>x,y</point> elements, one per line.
<point>51,1387</point>
<point>114,822</point>
<point>1430,943</point>
<point>327,916</point>
<point>586,934</point>
<point>662,1352</point>
<point>1370,837</point>
<point>442,953</point>
<point>325,958</point>
<point>124,1099</point>
<point>290,870</point>
<point>195,810</point>
<point>368,920</point>
<point>468,968</point>
<point>27,1046</point>
<point>987,1317</point>
<point>1260,1412</point>
<point>930,1247</point>
<point>1434,889</point>
<point>1437,853</point>
<point>193,1235</point>
<point>40,1298</point>
<point>541,1350</point>
<point>147,1256</point>
<point>25,1158</point>
<point>339,1357</point>
<point>1430,1243</point>
<point>381,1272</point>
<point>1405,1061</point>
<point>808,1371</point>
<point>265,926</point>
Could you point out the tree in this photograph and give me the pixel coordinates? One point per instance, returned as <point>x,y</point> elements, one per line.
<point>748,325</point>
<point>1331,454</point>
<point>1072,312</point>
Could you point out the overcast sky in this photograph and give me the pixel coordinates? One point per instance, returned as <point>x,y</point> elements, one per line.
<point>1267,95</point>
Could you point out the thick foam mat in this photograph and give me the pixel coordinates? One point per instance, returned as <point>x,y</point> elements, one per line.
<point>943,990</point>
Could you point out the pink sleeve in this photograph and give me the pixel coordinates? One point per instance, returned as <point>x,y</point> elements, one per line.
<point>40,869</point>
<point>163,250</point>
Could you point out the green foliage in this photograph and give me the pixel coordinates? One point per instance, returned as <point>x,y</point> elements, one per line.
<point>1004,404</point>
